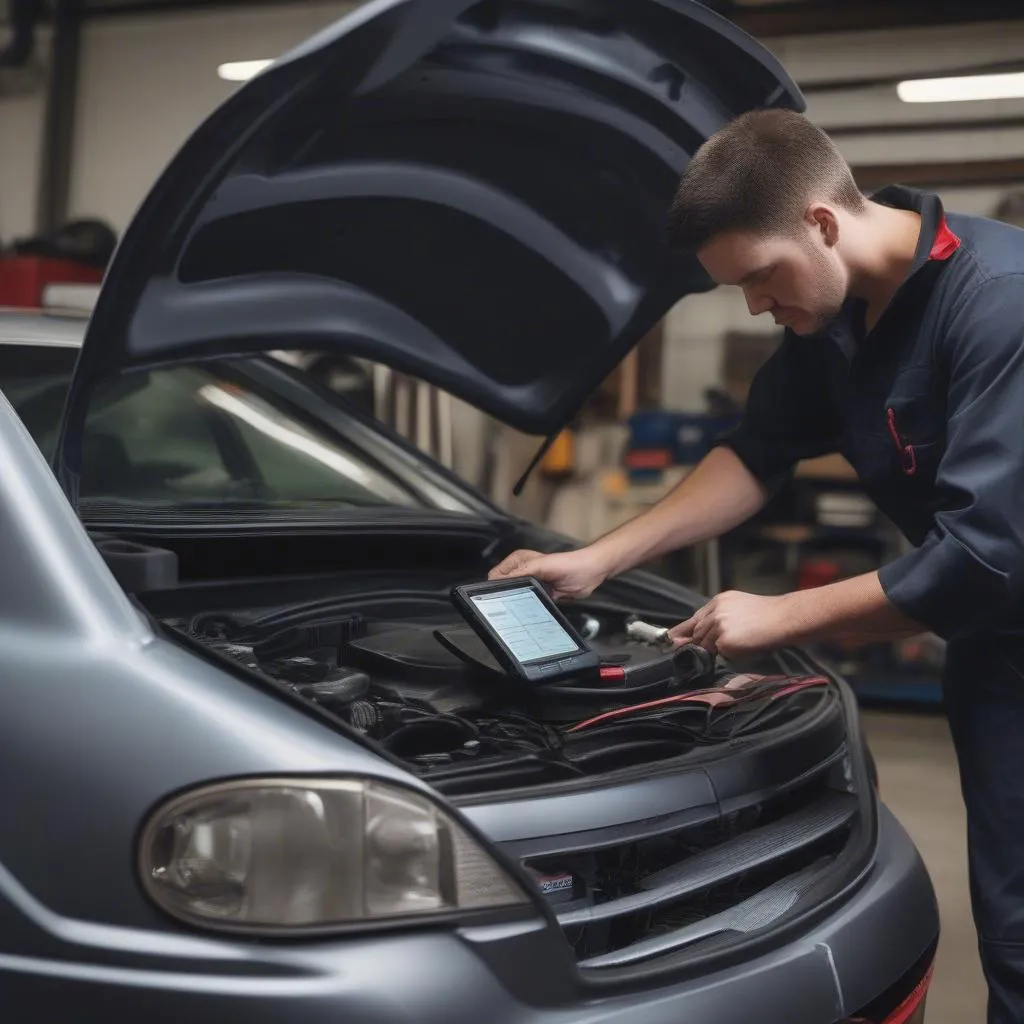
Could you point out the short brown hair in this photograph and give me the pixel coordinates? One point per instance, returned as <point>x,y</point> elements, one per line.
<point>757,174</point>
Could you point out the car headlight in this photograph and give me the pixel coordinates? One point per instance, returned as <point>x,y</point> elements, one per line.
<point>296,855</point>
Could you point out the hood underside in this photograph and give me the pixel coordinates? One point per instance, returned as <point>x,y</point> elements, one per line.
<point>472,193</point>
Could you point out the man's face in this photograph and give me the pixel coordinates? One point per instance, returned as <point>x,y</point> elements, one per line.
<point>798,279</point>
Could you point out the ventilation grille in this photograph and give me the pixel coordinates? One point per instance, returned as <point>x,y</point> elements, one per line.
<point>663,894</point>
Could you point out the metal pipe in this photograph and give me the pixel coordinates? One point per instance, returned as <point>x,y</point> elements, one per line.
<point>59,126</point>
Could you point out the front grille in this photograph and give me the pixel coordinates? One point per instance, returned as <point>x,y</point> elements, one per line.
<point>662,894</point>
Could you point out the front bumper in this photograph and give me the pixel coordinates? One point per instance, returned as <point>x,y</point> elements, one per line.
<point>514,973</point>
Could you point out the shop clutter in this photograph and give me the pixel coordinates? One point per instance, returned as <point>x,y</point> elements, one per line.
<point>75,254</point>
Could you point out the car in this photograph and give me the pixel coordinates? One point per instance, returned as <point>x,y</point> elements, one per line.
<point>256,766</point>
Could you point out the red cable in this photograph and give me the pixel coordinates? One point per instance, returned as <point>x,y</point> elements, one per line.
<point>625,711</point>
<point>696,697</point>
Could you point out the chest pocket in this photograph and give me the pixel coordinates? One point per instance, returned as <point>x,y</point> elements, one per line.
<point>896,436</point>
<point>915,425</point>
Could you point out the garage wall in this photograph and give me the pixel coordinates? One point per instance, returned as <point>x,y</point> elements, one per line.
<point>21,129</point>
<point>22,115</point>
<point>148,81</point>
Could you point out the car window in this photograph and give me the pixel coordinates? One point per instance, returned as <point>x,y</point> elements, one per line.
<point>190,434</point>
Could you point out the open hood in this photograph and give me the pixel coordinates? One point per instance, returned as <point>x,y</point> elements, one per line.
<point>474,193</point>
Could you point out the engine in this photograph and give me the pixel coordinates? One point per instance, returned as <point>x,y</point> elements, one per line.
<point>412,685</point>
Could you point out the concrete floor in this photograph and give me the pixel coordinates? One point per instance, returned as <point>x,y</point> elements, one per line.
<point>918,779</point>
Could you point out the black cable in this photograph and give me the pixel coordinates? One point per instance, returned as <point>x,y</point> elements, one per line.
<point>773,709</point>
<point>607,693</point>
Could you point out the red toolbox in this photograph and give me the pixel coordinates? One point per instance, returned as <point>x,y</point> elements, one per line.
<point>23,279</point>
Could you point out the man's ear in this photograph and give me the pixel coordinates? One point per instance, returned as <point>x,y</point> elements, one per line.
<point>822,218</point>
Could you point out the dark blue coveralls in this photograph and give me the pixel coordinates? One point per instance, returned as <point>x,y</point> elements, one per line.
<point>928,407</point>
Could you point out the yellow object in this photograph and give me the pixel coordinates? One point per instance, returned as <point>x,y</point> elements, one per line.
<point>560,457</point>
<point>615,483</point>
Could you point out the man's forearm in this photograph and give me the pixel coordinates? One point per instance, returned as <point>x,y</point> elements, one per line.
<point>736,624</point>
<point>856,608</point>
<point>720,494</point>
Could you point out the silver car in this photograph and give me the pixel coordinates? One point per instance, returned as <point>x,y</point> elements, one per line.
<point>248,774</point>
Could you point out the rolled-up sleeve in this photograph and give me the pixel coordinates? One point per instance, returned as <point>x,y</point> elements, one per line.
<point>969,572</point>
<point>788,416</point>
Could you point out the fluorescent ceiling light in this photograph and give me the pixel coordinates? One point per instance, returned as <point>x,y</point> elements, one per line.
<point>965,87</point>
<point>242,70</point>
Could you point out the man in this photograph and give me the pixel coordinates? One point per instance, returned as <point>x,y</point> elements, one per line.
<point>904,351</point>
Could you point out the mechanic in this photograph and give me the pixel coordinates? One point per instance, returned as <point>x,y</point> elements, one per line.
<point>904,351</point>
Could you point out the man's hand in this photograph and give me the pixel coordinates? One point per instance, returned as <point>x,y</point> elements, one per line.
<point>735,624</point>
<point>570,575</point>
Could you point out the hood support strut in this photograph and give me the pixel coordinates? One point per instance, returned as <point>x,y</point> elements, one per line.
<point>544,448</point>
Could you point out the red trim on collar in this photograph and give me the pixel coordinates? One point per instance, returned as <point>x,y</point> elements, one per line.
<point>946,243</point>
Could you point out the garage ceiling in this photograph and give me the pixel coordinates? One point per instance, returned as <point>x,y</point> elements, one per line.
<point>762,18</point>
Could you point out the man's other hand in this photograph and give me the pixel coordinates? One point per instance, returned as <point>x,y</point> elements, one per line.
<point>735,624</point>
<point>569,575</point>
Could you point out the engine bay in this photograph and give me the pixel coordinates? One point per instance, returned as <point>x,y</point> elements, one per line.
<point>400,670</point>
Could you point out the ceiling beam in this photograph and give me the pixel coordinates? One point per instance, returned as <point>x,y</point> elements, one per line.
<point>113,8</point>
<point>874,81</point>
<point>986,124</point>
<point>787,19</point>
<point>940,175</point>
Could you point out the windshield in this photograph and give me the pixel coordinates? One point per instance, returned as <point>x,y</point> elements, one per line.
<point>190,435</point>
